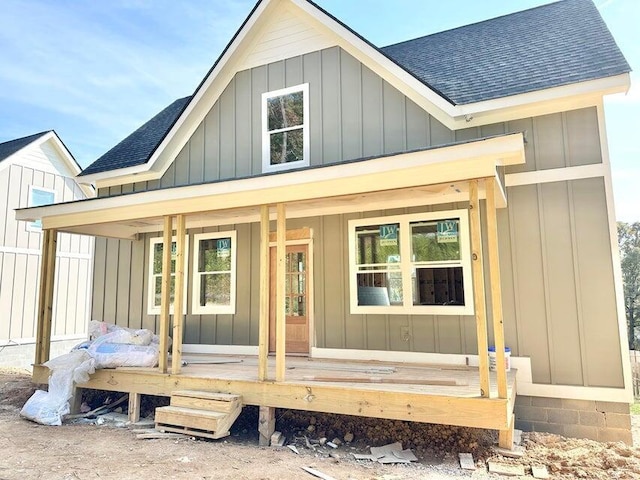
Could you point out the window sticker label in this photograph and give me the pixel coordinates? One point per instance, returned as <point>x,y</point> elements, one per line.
<point>388,235</point>
<point>447,231</point>
<point>223,247</point>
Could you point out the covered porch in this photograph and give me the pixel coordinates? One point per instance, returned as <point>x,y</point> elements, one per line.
<point>463,172</point>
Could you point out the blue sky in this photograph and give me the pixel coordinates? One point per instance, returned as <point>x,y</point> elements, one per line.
<point>96,70</point>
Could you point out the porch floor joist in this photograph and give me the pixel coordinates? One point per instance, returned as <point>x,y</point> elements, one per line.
<point>422,393</point>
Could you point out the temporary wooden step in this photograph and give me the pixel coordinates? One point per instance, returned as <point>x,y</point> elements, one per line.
<point>201,400</point>
<point>199,413</point>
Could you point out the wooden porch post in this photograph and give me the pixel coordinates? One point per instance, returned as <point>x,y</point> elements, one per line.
<point>281,235</point>
<point>45,295</point>
<point>178,300</point>
<point>496,289</point>
<point>165,293</point>
<point>478,287</point>
<point>265,262</point>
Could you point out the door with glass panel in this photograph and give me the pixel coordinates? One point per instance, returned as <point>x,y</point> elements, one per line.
<point>296,300</point>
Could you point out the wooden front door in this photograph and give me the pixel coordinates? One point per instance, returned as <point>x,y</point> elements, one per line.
<point>296,299</point>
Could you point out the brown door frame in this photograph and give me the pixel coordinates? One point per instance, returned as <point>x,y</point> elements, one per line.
<point>302,236</point>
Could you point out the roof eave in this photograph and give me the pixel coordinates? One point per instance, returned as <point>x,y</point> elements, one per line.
<point>540,102</point>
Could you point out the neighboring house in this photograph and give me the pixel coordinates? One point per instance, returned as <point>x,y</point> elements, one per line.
<point>373,160</point>
<point>39,170</point>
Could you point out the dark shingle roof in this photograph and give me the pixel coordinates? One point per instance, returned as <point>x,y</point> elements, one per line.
<point>12,146</point>
<point>544,47</point>
<point>138,147</point>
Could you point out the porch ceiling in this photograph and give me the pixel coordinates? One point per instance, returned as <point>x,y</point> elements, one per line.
<point>432,176</point>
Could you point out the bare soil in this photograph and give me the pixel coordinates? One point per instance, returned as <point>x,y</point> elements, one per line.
<point>91,451</point>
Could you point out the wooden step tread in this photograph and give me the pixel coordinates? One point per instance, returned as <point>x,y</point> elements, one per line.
<point>222,397</point>
<point>191,412</point>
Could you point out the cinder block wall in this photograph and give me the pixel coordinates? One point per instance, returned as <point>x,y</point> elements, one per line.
<point>22,356</point>
<point>601,421</point>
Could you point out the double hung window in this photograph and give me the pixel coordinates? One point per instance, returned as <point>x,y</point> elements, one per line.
<point>416,264</point>
<point>285,128</point>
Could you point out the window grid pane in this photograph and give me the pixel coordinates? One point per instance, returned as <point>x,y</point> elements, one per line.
<point>285,111</point>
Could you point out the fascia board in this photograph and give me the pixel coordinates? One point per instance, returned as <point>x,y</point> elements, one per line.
<point>518,106</point>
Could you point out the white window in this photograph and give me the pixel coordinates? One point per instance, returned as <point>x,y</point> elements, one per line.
<point>285,128</point>
<point>412,264</point>
<point>39,196</point>
<point>214,273</point>
<point>156,247</point>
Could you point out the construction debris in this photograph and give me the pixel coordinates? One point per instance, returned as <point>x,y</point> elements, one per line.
<point>539,471</point>
<point>317,473</point>
<point>277,439</point>
<point>294,449</point>
<point>157,435</point>
<point>505,469</point>
<point>466,461</point>
<point>517,436</point>
<point>516,452</point>
<point>392,453</point>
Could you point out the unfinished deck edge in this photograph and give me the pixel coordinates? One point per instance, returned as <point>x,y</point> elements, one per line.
<point>421,407</point>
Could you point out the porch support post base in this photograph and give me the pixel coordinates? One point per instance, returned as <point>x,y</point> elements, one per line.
<point>266,425</point>
<point>76,400</point>
<point>505,437</point>
<point>134,407</point>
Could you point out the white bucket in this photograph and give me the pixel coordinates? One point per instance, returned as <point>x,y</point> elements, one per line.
<point>492,358</point>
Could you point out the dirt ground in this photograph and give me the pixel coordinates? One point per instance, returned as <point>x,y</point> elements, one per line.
<point>91,451</point>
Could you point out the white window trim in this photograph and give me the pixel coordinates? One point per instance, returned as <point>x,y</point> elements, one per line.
<point>151,308</point>
<point>266,137</point>
<point>31,226</point>
<point>213,309</point>
<point>407,308</point>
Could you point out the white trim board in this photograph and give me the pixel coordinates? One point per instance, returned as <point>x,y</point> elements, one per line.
<point>555,175</point>
<point>524,383</point>
<point>220,349</point>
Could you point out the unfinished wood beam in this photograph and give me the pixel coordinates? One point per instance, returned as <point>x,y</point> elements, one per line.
<point>45,295</point>
<point>165,293</point>
<point>281,251</point>
<point>496,289</point>
<point>135,399</point>
<point>505,437</point>
<point>266,424</point>
<point>178,317</point>
<point>477,267</point>
<point>263,330</point>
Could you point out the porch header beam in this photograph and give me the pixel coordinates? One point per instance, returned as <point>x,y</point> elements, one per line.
<point>459,162</point>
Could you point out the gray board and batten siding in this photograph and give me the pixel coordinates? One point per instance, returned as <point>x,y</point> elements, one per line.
<point>20,261</point>
<point>556,262</point>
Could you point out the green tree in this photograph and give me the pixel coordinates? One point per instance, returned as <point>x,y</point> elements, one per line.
<point>629,243</point>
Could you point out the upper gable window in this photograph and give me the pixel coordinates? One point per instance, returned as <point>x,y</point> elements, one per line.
<point>39,196</point>
<point>285,128</point>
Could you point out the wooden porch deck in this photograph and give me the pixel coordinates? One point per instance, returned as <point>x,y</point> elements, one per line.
<point>443,394</point>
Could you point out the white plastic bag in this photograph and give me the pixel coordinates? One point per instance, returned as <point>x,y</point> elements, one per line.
<point>48,408</point>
